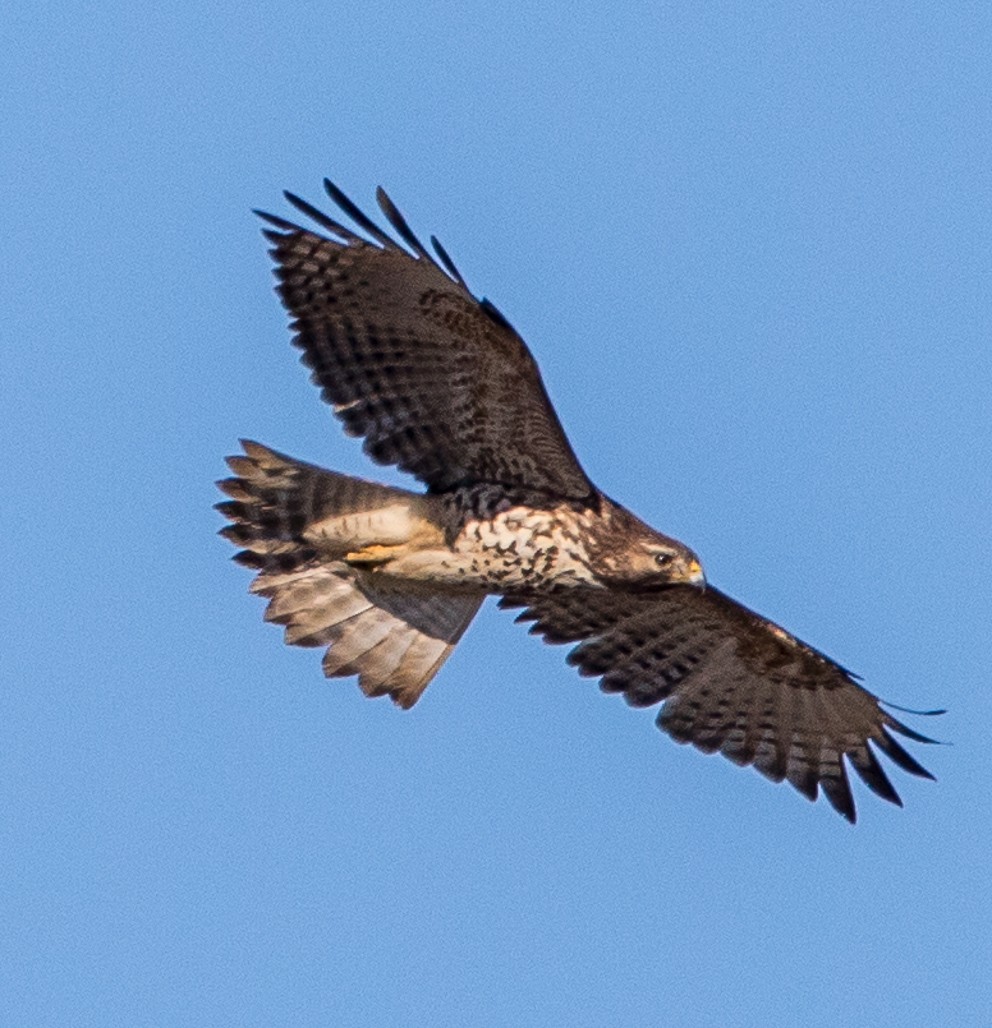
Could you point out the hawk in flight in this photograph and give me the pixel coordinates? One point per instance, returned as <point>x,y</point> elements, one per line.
<point>439,384</point>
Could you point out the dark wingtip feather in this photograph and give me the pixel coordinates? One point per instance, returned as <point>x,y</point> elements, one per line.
<point>898,755</point>
<point>357,215</point>
<point>910,710</point>
<point>909,733</point>
<point>332,226</point>
<point>399,223</point>
<point>448,263</point>
<point>837,789</point>
<point>873,774</point>
<point>274,219</point>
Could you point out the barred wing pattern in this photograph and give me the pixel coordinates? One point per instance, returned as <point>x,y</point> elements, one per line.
<point>731,682</point>
<point>436,381</point>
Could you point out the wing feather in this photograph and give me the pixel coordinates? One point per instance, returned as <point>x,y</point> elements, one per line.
<point>436,381</point>
<point>730,682</point>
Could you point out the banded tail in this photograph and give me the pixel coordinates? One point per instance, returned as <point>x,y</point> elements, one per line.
<point>299,525</point>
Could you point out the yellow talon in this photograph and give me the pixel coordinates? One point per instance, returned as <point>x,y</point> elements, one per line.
<point>374,554</point>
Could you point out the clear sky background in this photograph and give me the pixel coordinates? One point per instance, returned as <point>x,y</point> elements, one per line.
<point>749,245</point>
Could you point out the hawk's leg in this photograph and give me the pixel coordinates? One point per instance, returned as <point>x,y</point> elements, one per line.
<point>375,553</point>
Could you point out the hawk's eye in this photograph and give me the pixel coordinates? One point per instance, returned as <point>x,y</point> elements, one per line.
<point>664,560</point>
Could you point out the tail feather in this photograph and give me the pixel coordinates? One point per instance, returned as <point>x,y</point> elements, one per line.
<point>296,522</point>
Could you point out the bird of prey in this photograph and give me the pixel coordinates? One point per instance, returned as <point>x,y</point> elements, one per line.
<point>440,384</point>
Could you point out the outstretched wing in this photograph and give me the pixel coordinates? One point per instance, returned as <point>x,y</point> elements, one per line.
<point>436,381</point>
<point>731,682</point>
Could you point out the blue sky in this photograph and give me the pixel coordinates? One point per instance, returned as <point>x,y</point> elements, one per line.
<point>750,247</point>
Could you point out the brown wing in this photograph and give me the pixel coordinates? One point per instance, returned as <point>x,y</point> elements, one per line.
<point>731,682</point>
<point>436,381</point>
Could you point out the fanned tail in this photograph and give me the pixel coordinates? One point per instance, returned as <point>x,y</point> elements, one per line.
<point>296,522</point>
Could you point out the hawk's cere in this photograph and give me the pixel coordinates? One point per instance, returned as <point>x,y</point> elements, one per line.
<point>440,384</point>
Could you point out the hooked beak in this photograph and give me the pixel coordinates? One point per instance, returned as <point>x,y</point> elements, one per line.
<point>694,574</point>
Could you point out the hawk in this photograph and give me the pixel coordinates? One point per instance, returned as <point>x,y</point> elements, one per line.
<point>387,580</point>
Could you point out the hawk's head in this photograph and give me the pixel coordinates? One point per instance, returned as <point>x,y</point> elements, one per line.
<point>628,554</point>
<point>655,563</point>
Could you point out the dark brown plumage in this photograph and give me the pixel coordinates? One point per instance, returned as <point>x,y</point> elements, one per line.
<point>438,383</point>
